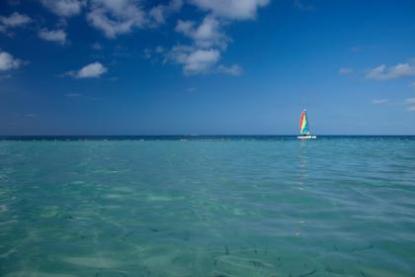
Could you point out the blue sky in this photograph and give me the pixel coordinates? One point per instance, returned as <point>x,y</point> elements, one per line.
<point>137,67</point>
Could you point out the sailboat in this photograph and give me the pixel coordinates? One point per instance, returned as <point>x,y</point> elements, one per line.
<point>305,132</point>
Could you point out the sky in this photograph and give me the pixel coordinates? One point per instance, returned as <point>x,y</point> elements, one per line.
<point>206,67</point>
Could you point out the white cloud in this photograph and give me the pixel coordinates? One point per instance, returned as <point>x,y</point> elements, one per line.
<point>15,20</point>
<point>208,38</point>
<point>206,35</point>
<point>160,12</point>
<point>65,8</point>
<point>194,60</point>
<point>383,72</point>
<point>234,70</point>
<point>201,60</point>
<point>58,36</point>
<point>115,17</point>
<point>92,70</point>
<point>8,62</point>
<point>232,9</point>
<point>380,101</point>
<point>207,43</point>
<point>185,27</point>
<point>345,71</point>
<point>410,104</point>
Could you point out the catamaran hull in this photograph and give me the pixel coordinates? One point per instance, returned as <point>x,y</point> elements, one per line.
<point>306,137</point>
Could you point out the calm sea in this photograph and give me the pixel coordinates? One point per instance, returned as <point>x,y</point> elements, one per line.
<point>218,206</point>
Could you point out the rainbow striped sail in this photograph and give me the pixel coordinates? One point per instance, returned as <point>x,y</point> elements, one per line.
<point>304,126</point>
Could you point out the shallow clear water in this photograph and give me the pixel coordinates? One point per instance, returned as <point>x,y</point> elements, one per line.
<point>208,207</point>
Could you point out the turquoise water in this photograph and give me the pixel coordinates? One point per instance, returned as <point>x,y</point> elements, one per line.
<point>208,207</point>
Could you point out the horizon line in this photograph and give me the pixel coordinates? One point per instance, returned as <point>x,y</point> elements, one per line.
<point>192,135</point>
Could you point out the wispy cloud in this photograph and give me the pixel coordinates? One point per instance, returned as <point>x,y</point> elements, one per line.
<point>160,49</point>
<point>194,60</point>
<point>92,70</point>
<point>64,8</point>
<point>159,13</point>
<point>345,71</point>
<point>147,53</point>
<point>157,54</point>
<point>73,95</point>
<point>57,36</point>
<point>380,101</point>
<point>208,38</point>
<point>116,17</point>
<point>233,70</point>
<point>8,62</point>
<point>96,46</point>
<point>383,72</point>
<point>410,104</point>
<point>207,34</point>
<point>231,9</point>
<point>303,5</point>
<point>13,21</point>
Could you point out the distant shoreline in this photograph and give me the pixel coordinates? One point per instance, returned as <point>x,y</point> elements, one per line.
<point>185,137</point>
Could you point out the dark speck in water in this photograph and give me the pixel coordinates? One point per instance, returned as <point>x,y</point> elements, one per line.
<point>308,273</point>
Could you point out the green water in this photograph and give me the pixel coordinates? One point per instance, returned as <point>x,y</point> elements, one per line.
<point>208,207</point>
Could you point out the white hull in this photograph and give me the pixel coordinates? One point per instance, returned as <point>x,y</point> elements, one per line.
<point>306,137</point>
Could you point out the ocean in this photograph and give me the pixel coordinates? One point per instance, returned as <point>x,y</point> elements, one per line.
<point>207,206</point>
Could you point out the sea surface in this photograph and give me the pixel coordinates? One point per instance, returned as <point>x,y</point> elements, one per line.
<point>208,206</point>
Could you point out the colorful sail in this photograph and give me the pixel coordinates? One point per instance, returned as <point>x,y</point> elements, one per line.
<point>304,127</point>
